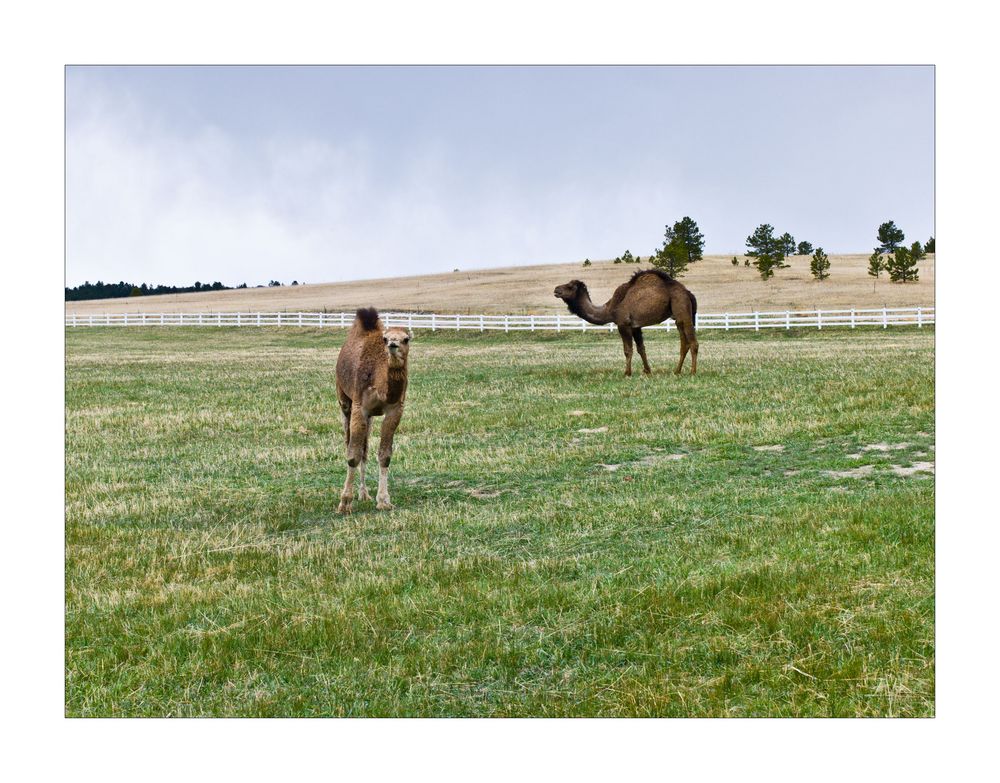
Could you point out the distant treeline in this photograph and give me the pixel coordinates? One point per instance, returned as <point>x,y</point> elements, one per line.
<point>121,289</point>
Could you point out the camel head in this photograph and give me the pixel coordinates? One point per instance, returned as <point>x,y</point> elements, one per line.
<point>396,340</point>
<point>571,290</point>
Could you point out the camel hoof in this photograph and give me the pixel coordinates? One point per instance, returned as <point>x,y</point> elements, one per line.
<point>344,507</point>
<point>364,495</point>
<point>384,506</point>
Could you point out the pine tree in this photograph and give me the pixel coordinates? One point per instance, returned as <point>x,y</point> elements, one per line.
<point>735,262</point>
<point>929,245</point>
<point>876,264</point>
<point>820,264</point>
<point>686,230</point>
<point>674,256</point>
<point>890,237</point>
<point>586,262</point>
<point>767,250</point>
<point>787,244</point>
<point>902,266</point>
<point>805,248</point>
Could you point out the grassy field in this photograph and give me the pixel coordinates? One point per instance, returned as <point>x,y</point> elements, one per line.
<point>757,540</point>
<point>719,286</point>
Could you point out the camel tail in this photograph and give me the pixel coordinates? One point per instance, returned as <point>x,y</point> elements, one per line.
<point>367,318</point>
<point>694,308</point>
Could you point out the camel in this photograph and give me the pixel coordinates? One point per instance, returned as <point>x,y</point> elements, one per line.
<point>649,297</point>
<point>371,381</point>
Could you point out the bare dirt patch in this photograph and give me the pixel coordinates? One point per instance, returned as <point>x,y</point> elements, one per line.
<point>643,462</point>
<point>859,472</point>
<point>594,431</point>
<point>879,447</point>
<point>916,467</point>
<point>775,447</point>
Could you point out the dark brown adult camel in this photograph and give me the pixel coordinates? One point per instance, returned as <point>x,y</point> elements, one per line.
<point>649,297</point>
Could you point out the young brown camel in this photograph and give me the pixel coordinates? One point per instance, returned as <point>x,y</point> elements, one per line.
<point>649,297</point>
<point>371,381</point>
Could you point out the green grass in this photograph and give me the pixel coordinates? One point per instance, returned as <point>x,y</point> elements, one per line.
<point>207,572</point>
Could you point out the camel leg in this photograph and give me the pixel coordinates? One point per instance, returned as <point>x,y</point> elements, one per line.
<point>389,424</point>
<point>362,487</point>
<point>355,450</point>
<point>692,341</point>
<point>347,495</point>
<point>684,350</point>
<point>345,414</point>
<point>626,334</point>
<point>640,346</point>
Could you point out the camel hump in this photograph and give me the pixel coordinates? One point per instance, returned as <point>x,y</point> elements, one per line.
<point>657,272</point>
<point>367,317</point>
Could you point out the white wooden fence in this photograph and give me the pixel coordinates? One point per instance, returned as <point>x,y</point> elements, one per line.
<point>820,319</point>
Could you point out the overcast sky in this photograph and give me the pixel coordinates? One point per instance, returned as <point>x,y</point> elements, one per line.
<point>177,174</point>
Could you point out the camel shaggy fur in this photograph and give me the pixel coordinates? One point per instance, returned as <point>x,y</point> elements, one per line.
<point>371,381</point>
<point>648,298</point>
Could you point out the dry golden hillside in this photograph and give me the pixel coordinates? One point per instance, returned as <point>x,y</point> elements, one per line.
<point>719,286</point>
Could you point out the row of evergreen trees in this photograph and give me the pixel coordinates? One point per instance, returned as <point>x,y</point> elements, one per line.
<point>100,290</point>
<point>683,243</point>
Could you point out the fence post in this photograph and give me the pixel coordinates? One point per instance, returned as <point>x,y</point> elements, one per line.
<point>558,322</point>
<point>433,323</point>
<point>756,321</point>
<point>727,322</point>
<point>300,318</point>
<point>885,318</point>
<point>532,322</point>
<point>920,321</point>
<point>161,319</point>
<point>788,320</point>
<point>506,324</point>
<point>852,317</point>
<point>482,325</point>
<point>819,319</point>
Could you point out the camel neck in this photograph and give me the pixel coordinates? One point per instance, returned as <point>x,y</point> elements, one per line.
<point>395,383</point>
<point>588,311</point>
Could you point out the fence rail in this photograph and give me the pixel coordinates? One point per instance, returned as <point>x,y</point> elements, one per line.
<point>820,319</point>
